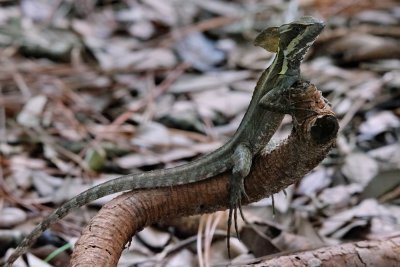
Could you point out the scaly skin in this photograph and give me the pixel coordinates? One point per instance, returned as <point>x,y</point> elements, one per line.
<point>263,117</point>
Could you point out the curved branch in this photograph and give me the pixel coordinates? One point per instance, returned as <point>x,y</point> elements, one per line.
<point>103,240</point>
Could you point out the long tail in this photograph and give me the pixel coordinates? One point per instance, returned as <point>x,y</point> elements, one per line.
<point>113,186</point>
<point>153,179</point>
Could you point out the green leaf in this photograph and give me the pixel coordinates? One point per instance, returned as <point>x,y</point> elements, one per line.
<point>95,158</point>
<point>382,183</point>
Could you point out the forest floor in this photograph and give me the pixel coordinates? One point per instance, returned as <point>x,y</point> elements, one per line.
<point>91,90</point>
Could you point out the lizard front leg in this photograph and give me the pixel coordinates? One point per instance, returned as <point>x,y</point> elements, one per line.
<point>280,100</point>
<point>242,159</point>
<point>275,101</point>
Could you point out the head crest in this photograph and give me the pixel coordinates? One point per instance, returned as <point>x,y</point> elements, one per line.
<point>268,39</point>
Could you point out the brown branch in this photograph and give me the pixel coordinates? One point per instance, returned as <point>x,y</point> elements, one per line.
<point>362,254</point>
<point>103,240</point>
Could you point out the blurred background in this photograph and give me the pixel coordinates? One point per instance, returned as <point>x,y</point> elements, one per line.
<point>93,89</point>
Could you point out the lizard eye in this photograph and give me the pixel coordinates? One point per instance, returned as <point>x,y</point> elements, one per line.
<point>296,30</point>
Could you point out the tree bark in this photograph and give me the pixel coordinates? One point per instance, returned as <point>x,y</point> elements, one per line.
<point>103,240</point>
<point>360,254</point>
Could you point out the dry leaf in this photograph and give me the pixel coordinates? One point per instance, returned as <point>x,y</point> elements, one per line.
<point>379,122</point>
<point>229,103</point>
<point>382,183</point>
<point>258,239</point>
<point>10,217</point>
<point>30,116</point>
<point>360,168</point>
<point>139,160</point>
<point>153,238</point>
<point>152,134</point>
<point>314,182</point>
<point>388,155</point>
<point>358,215</point>
<point>338,197</point>
<point>199,52</point>
<point>193,83</point>
<point>182,258</point>
<point>358,47</point>
<point>44,183</point>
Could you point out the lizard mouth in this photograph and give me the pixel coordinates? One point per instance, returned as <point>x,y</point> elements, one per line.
<point>316,29</point>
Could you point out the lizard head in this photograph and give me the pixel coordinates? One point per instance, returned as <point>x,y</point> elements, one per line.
<point>291,41</point>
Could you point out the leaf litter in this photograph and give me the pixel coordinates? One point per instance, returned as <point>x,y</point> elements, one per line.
<point>86,94</point>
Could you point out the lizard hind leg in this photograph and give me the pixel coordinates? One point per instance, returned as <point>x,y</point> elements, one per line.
<point>242,160</point>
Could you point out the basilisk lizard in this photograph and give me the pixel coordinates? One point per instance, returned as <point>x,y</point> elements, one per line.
<point>290,42</point>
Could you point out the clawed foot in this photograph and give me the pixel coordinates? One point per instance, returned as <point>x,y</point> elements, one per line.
<point>235,202</point>
<point>293,109</point>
